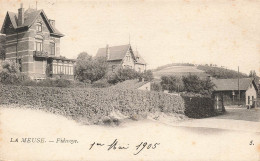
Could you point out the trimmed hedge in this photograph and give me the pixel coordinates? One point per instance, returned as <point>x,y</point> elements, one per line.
<point>199,106</point>
<point>91,103</point>
<point>95,103</point>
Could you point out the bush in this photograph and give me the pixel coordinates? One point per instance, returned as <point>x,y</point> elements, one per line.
<point>10,73</point>
<point>102,83</point>
<point>147,75</point>
<point>155,86</point>
<point>122,75</point>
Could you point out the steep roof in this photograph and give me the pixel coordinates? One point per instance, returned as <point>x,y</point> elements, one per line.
<point>13,18</point>
<point>119,52</point>
<point>115,52</point>
<point>232,84</point>
<point>139,59</point>
<point>30,15</point>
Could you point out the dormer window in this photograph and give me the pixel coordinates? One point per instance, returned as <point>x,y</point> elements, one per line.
<point>39,27</point>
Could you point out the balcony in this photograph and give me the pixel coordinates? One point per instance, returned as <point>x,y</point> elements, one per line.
<point>40,54</point>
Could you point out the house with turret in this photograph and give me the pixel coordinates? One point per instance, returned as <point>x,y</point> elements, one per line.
<point>33,41</point>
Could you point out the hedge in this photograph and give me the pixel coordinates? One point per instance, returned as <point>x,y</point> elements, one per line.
<point>91,103</point>
<point>198,106</point>
<point>94,103</point>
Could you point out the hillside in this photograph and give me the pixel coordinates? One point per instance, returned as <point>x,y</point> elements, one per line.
<point>202,71</point>
<point>179,71</point>
<point>221,73</point>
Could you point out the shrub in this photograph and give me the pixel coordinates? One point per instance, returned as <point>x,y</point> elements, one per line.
<point>198,106</point>
<point>10,73</point>
<point>147,75</point>
<point>122,75</point>
<point>155,86</point>
<point>102,83</point>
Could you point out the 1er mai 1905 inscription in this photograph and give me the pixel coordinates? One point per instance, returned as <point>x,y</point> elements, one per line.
<point>115,145</point>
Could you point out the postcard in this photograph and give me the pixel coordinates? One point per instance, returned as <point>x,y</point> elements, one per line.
<point>130,80</point>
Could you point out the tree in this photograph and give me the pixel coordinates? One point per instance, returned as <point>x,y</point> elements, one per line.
<point>252,74</point>
<point>192,83</point>
<point>89,69</point>
<point>147,75</point>
<point>171,83</point>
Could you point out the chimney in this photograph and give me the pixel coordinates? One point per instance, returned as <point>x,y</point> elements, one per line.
<point>21,15</point>
<point>52,22</point>
<point>107,52</point>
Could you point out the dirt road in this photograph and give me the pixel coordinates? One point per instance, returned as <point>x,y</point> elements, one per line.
<point>205,139</point>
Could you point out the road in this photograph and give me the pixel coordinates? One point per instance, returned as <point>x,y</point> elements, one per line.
<point>239,119</point>
<point>212,139</point>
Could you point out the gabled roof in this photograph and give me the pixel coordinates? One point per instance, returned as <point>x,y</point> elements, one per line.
<point>138,58</point>
<point>13,18</point>
<point>232,84</point>
<point>30,16</point>
<point>119,52</point>
<point>115,52</point>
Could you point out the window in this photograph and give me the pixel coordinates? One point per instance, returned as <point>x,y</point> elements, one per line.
<point>65,69</point>
<point>39,27</point>
<point>38,44</point>
<point>54,68</point>
<point>113,68</point>
<point>127,58</point>
<point>52,46</point>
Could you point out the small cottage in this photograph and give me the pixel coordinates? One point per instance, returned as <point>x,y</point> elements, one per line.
<point>236,92</point>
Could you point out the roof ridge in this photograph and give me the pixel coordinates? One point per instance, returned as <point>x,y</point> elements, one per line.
<point>114,46</point>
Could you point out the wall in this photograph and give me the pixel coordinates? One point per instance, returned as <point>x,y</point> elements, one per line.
<point>127,62</point>
<point>250,92</point>
<point>116,64</point>
<point>228,97</point>
<point>141,66</point>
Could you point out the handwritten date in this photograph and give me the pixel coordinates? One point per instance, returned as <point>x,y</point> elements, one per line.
<point>116,146</point>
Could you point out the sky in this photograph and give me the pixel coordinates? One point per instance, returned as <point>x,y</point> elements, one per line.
<point>222,32</point>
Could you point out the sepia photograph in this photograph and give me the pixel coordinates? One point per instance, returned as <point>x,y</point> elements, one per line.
<point>130,80</point>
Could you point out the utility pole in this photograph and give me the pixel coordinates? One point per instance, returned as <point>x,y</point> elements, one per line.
<point>238,87</point>
<point>129,39</point>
